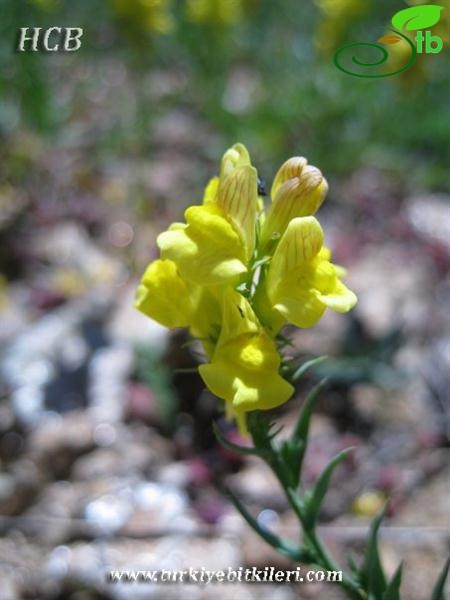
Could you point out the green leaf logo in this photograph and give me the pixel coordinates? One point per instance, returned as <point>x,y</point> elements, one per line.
<point>417,17</point>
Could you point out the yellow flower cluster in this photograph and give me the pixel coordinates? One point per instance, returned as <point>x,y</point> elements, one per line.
<point>235,274</point>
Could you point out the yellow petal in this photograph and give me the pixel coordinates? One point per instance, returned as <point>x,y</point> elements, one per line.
<point>300,243</point>
<point>261,392</point>
<point>244,366</point>
<point>245,374</point>
<point>302,309</point>
<point>325,254</point>
<point>238,317</point>
<point>244,390</point>
<point>163,295</point>
<point>219,379</point>
<point>206,317</point>
<point>207,250</point>
<point>340,299</point>
<point>238,194</point>
<point>301,283</point>
<point>271,319</point>
<point>211,191</point>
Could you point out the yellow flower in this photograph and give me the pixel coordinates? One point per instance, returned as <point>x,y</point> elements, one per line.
<point>199,282</point>
<point>166,298</point>
<point>244,367</point>
<point>298,190</point>
<point>301,282</point>
<point>218,239</point>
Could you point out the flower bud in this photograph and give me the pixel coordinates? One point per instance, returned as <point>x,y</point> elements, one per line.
<point>236,156</point>
<point>238,193</point>
<point>288,170</point>
<point>299,195</point>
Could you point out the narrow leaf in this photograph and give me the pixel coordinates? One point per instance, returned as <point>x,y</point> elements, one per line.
<point>417,17</point>
<point>282,546</point>
<point>390,39</point>
<point>307,366</point>
<point>302,426</point>
<point>292,454</point>
<point>321,488</point>
<point>372,571</point>
<point>438,591</point>
<point>299,437</point>
<point>235,447</point>
<point>352,564</point>
<point>392,591</point>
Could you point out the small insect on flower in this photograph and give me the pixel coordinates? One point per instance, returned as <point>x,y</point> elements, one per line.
<point>235,290</point>
<point>261,187</point>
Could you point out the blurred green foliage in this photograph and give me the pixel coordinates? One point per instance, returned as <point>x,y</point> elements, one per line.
<point>254,70</point>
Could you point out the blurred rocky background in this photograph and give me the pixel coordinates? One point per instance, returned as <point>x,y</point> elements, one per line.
<point>107,455</point>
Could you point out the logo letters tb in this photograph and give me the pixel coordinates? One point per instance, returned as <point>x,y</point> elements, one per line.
<point>433,43</point>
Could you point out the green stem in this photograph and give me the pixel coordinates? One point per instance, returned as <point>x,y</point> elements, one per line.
<point>324,560</point>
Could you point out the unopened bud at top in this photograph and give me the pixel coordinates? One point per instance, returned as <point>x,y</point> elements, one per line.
<point>298,190</point>
<point>288,170</point>
<point>236,156</point>
<point>238,193</point>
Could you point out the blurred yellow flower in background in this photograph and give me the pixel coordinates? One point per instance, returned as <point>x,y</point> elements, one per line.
<point>149,15</point>
<point>219,12</point>
<point>336,17</point>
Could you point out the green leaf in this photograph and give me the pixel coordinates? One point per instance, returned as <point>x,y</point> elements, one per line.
<point>235,447</point>
<point>321,488</point>
<point>298,443</point>
<point>438,591</point>
<point>302,426</point>
<point>307,366</point>
<point>392,591</point>
<point>372,574</point>
<point>417,17</point>
<point>352,564</point>
<point>282,546</point>
<point>292,452</point>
